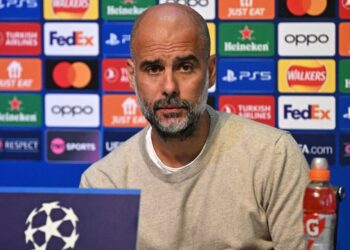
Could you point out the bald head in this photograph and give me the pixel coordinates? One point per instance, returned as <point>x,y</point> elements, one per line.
<point>180,15</point>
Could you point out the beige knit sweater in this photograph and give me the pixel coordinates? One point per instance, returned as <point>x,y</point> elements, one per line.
<point>244,192</point>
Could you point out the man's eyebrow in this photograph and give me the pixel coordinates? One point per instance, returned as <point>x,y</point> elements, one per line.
<point>187,58</point>
<point>149,62</point>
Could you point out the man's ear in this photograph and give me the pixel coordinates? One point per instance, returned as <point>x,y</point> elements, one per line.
<point>131,73</point>
<point>212,70</point>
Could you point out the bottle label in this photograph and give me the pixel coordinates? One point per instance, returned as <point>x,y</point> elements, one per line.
<point>319,231</point>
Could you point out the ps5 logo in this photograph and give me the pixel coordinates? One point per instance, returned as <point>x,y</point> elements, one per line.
<point>18,3</point>
<point>247,75</point>
<point>114,41</point>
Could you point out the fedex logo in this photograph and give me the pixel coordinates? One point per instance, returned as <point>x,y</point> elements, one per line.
<point>313,112</point>
<point>306,112</point>
<point>76,39</point>
<point>71,39</point>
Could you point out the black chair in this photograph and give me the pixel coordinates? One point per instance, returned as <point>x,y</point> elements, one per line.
<point>339,195</point>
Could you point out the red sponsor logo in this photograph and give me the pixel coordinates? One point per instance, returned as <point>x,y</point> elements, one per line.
<point>73,7</point>
<point>307,76</point>
<point>20,39</point>
<point>344,8</point>
<point>258,108</point>
<point>310,7</point>
<point>77,75</point>
<point>115,75</point>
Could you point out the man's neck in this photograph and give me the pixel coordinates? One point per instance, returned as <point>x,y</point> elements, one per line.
<point>177,152</point>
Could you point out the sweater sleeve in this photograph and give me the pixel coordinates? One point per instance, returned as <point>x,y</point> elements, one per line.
<point>283,194</point>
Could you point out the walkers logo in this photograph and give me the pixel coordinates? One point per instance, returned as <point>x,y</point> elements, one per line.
<point>116,39</point>
<point>306,8</point>
<point>124,9</point>
<point>344,39</point>
<point>306,76</point>
<point>122,111</point>
<point>71,110</point>
<point>306,112</point>
<point>19,74</point>
<point>212,34</point>
<point>20,39</point>
<point>246,39</point>
<point>258,108</point>
<point>20,110</point>
<point>306,39</point>
<point>73,10</point>
<point>71,39</point>
<point>72,74</point>
<point>24,145</point>
<point>115,75</point>
<point>246,75</point>
<point>344,76</point>
<point>317,145</point>
<point>344,9</point>
<point>112,140</point>
<point>246,9</point>
<point>20,9</point>
<point>206,8</point>
<point>73,146</point>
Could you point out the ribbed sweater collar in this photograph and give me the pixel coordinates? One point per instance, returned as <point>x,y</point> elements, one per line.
<point>186,173</point>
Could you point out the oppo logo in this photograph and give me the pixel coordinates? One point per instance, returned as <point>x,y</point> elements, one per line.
<point>191,3</point>
<point>71,110</point>
<point>306,39</point>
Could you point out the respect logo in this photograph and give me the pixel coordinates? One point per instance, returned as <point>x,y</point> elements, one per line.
<point>306,76</point>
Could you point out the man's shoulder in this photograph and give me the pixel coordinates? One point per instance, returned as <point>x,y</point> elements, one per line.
<point>115,163</point>
<point>231,123</point>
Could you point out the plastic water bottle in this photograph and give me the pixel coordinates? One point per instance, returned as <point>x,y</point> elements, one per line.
<point>319,208</point>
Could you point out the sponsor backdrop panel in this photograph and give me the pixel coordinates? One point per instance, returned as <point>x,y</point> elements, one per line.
<point>65,99</point>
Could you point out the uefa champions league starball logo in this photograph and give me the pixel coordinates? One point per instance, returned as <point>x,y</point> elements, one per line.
<point>51,226</point>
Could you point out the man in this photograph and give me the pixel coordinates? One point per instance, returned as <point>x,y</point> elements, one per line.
<point>209,180</point>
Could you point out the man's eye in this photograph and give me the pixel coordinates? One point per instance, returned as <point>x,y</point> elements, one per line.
<point>153,69</point>
<point>186,68</point>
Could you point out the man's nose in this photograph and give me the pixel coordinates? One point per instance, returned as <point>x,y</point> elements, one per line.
<point>170,83</point>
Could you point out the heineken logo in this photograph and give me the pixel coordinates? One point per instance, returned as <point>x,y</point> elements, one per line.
<point>20,109</point>
<point>124,9</point>
<point>237,39</point>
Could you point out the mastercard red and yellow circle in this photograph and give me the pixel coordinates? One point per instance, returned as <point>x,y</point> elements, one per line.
<point>77,75</point>
<point>303,7</point>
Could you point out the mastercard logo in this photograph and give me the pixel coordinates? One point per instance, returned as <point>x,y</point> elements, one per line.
<point>307,76</point>
<point>303,7</point>
<point>67,9</point>
<point>77,75</point>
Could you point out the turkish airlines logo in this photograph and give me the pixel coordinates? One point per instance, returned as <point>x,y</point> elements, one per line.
<point>258,108</point>
<point>115,75</point>
<point>20,74</point>
<point>20,39</point>
<point>70,110</point>
<point>306,39</point>
<point>306,112</point>
<point>71,39</point>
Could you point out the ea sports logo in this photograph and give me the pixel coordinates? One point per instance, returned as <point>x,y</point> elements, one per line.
<point>66,75</point>
<point>58,146</point>
<point>51,226</point>
<point>303,7</point>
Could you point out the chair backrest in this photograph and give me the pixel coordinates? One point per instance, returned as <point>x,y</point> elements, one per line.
<point>339,192</point>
